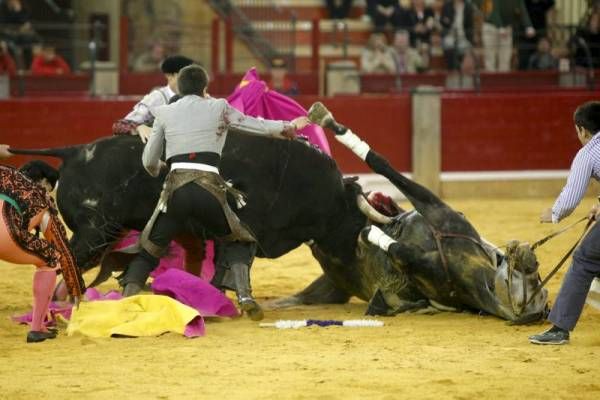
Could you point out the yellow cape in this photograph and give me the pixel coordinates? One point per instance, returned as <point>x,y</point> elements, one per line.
<point>143,315</point>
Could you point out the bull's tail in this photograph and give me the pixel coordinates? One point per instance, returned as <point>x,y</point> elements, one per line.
<point>63,153</point>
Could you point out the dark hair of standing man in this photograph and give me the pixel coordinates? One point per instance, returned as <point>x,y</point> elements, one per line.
<point>192,80</point>
<point>587,116</point>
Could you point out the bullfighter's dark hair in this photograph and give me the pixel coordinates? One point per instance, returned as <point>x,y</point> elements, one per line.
<point>173,64</point>
<point>38,170</point>
<point>587,116</point>
<point>192,80</point>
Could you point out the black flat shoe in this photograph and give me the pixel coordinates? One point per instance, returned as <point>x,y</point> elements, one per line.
<point>38,336</point>
<point>555,337</point>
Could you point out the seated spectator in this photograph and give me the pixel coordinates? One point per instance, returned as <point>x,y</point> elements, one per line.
<point>7,64</point>
<point>338,9</point>
<point>421,20</point>
<point>543,59</point>
<point>150,60</point>
<point>377,57</point>
<point>437,60</point>
<point>17,30</point>
<point>383,12</point>
<point>458,27</point>
<point>280,81</point>
<point>407,60</point>
<point>47,62</point>
<point>586,43</point>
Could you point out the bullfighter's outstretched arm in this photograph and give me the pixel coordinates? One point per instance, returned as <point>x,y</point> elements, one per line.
<point>238,120</point>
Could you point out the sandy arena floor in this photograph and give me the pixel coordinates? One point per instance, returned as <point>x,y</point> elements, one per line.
<point>445,356</point>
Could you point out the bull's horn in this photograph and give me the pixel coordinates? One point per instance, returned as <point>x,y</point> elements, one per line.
<point>371,212</point>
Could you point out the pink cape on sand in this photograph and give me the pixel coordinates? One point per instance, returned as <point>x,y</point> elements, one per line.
<point>253,97</point>
<point>175,283</point>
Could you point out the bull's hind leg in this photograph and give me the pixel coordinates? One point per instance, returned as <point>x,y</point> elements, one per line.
<point>321,291</point>
<point>435,211</point>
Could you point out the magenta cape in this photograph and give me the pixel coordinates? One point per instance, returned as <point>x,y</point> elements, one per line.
<point>254,98</point>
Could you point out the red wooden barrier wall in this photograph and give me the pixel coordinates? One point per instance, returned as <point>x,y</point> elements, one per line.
<point>502,131</point>
<point>38,123</point>
<point>479,132</point>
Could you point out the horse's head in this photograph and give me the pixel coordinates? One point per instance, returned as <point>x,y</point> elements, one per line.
<point>517,280</point>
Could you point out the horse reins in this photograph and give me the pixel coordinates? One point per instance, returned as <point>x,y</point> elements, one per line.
<point>565,257</point>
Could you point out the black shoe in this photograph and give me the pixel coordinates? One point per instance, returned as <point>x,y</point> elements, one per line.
<point>551,336</point>
<point>38,336</point>
<point>131,289</point>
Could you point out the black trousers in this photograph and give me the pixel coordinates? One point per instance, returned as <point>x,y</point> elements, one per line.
<point>577,281</point>
<point>192,210</point>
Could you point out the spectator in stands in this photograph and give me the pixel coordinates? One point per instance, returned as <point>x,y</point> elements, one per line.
<point>339,9</point>
<point>7,64</point>
<point>437,60</point>
<point>150,60</point>
<point>377,57</point>
<point>500,16</point>
<point>541,13</point>
<point>421,21</point>
<point>437,8</point>
<point>407,60</point>
<point>383,12</point>
<point>543,59</point>
<point>458,30</point>
<point>586,43</point>
<point>47,62</point>
<point>280,80</point>
<point>17,30</point>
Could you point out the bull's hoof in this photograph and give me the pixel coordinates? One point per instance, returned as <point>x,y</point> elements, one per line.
<point>252,308</point>
<point>320,115</point>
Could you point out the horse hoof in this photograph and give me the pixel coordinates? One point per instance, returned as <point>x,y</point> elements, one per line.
<point>253,309</point>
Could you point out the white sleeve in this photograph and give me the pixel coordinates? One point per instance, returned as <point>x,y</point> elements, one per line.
<point>142,112</point>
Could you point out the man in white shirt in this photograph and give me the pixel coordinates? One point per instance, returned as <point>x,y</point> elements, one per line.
<point>140,119</point>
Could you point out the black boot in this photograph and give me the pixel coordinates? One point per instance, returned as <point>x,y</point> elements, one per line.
<point>131,289</point>
<point>134,278</point>
<point>241,276</point>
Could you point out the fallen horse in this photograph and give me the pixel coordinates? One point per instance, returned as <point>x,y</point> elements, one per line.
<point>439,250</point>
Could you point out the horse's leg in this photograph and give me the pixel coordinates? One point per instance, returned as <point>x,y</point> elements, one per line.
<point>321,291</point>
<point>431,207</point>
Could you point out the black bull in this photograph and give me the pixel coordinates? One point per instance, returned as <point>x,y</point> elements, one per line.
<point>295,194</point>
